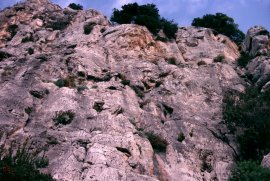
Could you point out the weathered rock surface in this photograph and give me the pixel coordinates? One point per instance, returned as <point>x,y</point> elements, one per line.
<point>257,41</point>
<point>122,85</point>
<point>257,44</point>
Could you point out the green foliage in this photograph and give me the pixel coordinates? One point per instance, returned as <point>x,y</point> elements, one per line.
<point>200,63</point>
<point>219,58</point>
<point>169,28</point>
<point>172,61</point>
<point>64,117</point>
<point>30,51</point>
<point>12,29</point>
<point>181,137</point>
<point>158,143</point>
<point>22,165</point>
<point>75,6</point>
<point>28,39</point>
<point>244,59</point>
<point>4,55</point>
<point>59,23</point>
<point>248,115</point>
<point>221,23</point>
<point>146,15</point>
<point>69,81</point>
<point>88,28</point>
<point>39,94</point>
<point>249,171</point>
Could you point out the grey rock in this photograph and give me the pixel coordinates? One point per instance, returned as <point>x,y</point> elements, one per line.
<point>257,41</point>
<point>132,85</point>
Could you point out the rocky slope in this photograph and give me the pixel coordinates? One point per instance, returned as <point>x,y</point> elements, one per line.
<point>143,109</point>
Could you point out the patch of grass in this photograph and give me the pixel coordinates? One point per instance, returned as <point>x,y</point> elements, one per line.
<point>21,164</point>
<point>219,58</point>
<point>249,171</point>
<point>158,143</point>
<point>181,137</point>
<point>64,117</point>
<point>244,59</point>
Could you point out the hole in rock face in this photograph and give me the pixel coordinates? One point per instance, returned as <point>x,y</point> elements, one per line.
<point>124,150</point>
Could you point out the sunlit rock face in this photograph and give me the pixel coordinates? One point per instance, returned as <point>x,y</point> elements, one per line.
<point>143,109</point>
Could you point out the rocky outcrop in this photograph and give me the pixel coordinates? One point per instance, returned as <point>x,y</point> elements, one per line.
<point>257,44</point>
<point>202,45</point>
<point>257,41</point>
<point>134,108</point>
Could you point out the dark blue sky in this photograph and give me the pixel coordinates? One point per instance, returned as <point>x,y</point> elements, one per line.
<point>246,13</point>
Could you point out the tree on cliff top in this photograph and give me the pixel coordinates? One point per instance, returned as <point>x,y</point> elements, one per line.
<point>221,23</point>
<point>146,15</point>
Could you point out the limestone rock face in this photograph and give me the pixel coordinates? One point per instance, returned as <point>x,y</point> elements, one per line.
<point>143,109</point>
<point>257,44</point>
<point>201,44</point>
<point>257,41</point>
<point>266,161</point>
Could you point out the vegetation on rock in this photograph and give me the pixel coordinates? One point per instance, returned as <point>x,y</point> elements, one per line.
<point>244,59</point>
<point>145,15</point>
<point>249,171</point>
<point>64,117</point>
<point>248,116</point>
<point>221,23</point>
<point>22,165</point>
<point>75,6</point>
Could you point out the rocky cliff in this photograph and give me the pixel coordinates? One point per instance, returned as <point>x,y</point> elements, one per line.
<point>116,104</point>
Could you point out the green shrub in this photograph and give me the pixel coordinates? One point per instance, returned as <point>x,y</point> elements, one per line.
<point>244,59</point>
<point>158,143</point>
<point>12,29</point>
<point>69,81</point>
<point>200,63</point>
<point>88,28</point>
<point>22,165</point>
<point>181,137</point>
<point>4,55</point>
<point>30,51</point>
<point>146,15</point>
<point>219,58</point>
<point>249,171</point>
<point>169,28</point>
<point>222,24</point>
<point>59,23</point>
<point>248,116</point>
<point>172,61</point>
<point>75,6</point>
<point>28,39</point>
<point>64,117</point>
